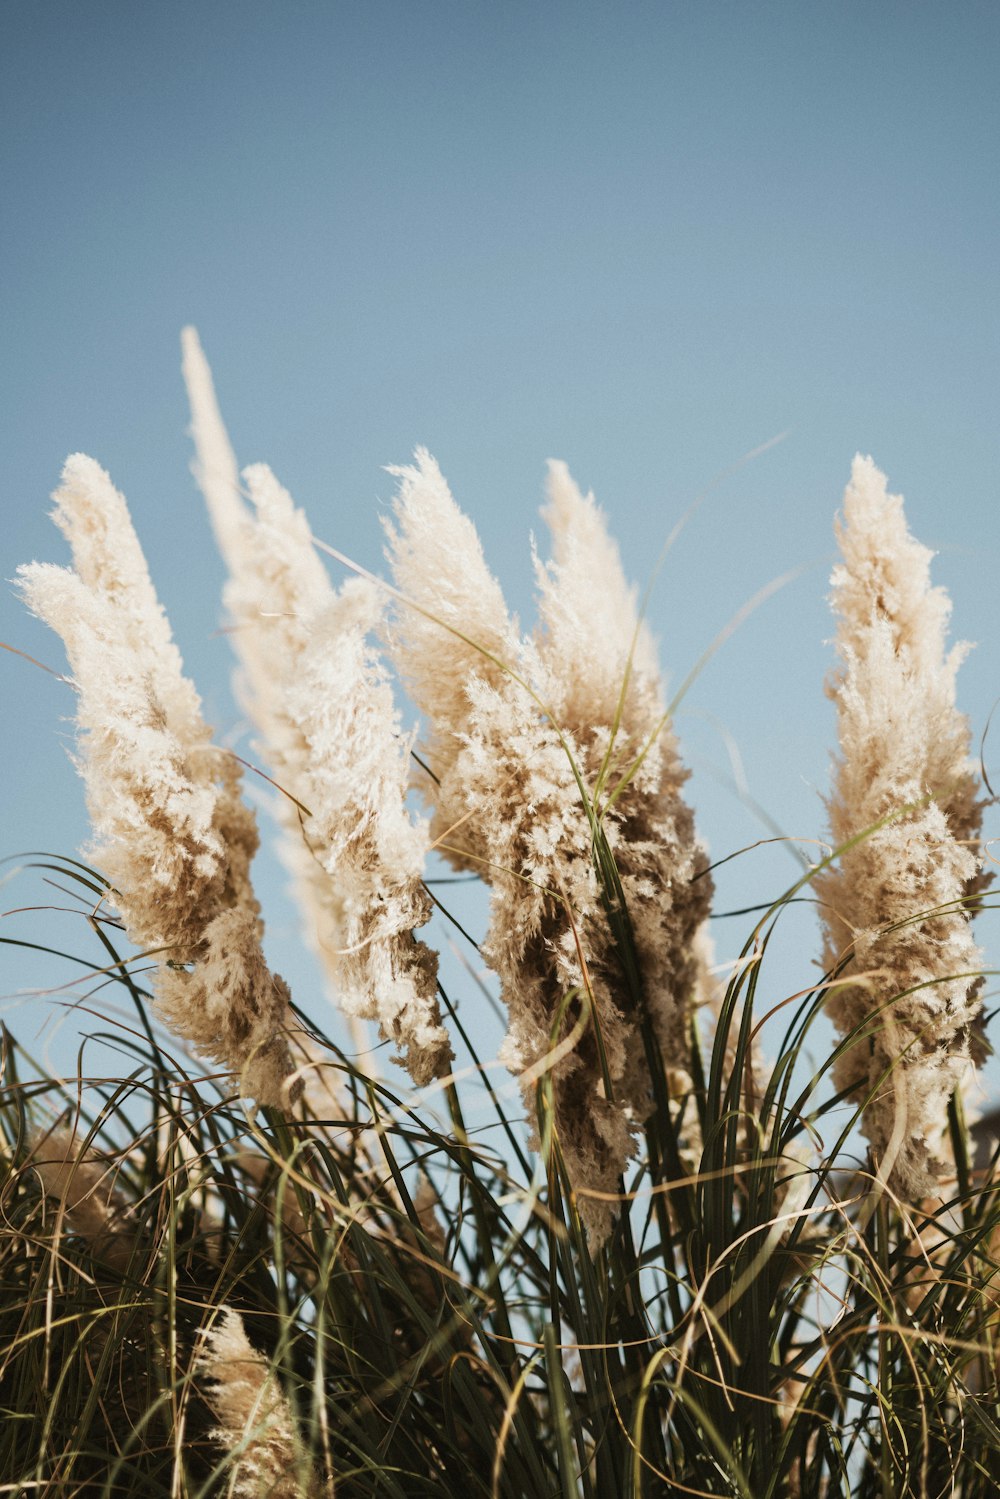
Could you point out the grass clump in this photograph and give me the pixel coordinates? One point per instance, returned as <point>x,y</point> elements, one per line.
<point>661,1267</point>
<point>426,1316</point>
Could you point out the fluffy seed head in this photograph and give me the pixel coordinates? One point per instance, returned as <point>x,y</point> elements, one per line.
<point>896,904</point>
<point>330,735</point>
<point>171,833</point>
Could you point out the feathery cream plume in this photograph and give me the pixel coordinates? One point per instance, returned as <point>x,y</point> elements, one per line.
<point>896,905</point>
<point>172,834</point>
<point>255,1421</point>
<point>508,804</point>
<point>601,671</point>
<point>589,631</point>
<point>458,633</point>
<point>330,734</point>
<point>548,938</point>
<point>364,835</point>
<point>215,467</point>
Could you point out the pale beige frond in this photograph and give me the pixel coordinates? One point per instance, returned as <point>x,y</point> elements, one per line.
<point>896,905</point>
<point>330,737</point>
<point>171,833</point>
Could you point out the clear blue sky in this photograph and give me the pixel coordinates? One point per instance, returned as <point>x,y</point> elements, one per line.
<point>644,238</point>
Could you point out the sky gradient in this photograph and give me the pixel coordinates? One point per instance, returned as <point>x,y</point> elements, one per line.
<point>645,239</point>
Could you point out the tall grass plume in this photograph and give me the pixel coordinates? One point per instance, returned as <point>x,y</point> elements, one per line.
<point>695,1246</point>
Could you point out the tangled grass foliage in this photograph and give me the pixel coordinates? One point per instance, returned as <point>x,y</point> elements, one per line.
<point>287,1274</point>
